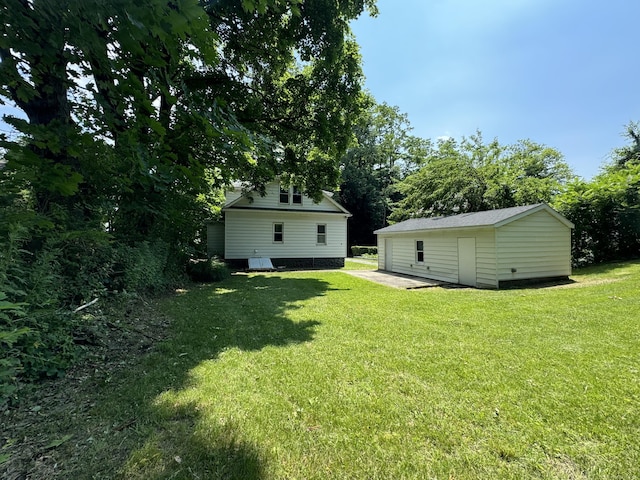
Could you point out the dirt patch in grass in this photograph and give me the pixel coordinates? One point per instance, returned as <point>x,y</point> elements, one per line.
<point>52,424</point>
<point>563,466</point>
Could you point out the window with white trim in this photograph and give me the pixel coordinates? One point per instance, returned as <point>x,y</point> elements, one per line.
<point>284,195</point>
<point>278,232</point>
<point>290,195</point>
<point>321,234</point>
<point>419,251</point>
<point>296,196</point>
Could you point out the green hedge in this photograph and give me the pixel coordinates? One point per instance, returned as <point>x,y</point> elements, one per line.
<point>358,250</point>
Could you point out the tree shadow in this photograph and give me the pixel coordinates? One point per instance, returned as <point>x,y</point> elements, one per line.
<point>163,440</point>
<point>249,313</point>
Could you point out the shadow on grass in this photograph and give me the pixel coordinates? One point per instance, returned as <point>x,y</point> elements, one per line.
<point>161,440</point>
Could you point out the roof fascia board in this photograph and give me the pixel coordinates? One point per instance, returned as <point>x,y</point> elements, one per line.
<point>324,195</point>
<point>441,229</point>
<point>285,210</point>
<point>538,208</point>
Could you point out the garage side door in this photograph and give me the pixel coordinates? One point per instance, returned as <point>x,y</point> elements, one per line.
<point>467,261</point>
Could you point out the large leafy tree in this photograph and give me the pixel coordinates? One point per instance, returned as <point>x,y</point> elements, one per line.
<point>628,154</point>
<point>382,154</point>
<point>137,114</point>
<point>606,210</point>
<point>471,175</point>
<point>138,109</point>
<point>95,81</point>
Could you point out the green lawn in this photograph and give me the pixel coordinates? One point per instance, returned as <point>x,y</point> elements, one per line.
<point>304,375</point>
<point>363,264</point>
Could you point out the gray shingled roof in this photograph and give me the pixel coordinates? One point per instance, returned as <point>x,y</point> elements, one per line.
<point>464,220</point>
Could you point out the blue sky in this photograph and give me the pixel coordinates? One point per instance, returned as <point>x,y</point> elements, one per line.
<point>564,73</point>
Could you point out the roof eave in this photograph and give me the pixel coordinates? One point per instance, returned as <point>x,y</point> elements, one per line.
<point>535,209</point>
<point>437,229</point>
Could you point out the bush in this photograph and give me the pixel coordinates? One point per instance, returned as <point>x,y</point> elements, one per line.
<point>35,331</point>
<point>357,251</point>
<point>605,214</point>
<point>211,270</point>
<point>86,261</point>
<point>147,267</point>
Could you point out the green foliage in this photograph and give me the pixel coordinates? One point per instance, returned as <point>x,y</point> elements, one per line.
<point>208,270</point>
<point>86,261</point>
<point>472,176</point>
<point>606,214</point>
<point>629,154</point>
<point>137,116</point>
<point>9,335</point>
<point>358,250</point>
<point>382,154</point>
<point>35,333</point>
<point>147,267</point>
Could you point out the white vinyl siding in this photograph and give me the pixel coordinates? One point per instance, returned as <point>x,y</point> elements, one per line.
<point>536,246</point>
<point>321,234</point>
<point>272,201</point>
<point>420,252</point>
<point>250,233</point>
<point>381,251</point>
<point>215,239</point>
<point>278,232</point>
<point>441,254</point>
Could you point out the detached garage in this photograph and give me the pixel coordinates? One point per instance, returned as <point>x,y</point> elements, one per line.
<point>484,249</point>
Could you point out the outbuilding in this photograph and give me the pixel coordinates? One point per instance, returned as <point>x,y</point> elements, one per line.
<point>490,249</point>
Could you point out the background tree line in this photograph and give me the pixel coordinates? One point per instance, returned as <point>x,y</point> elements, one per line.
<point>389,175</point>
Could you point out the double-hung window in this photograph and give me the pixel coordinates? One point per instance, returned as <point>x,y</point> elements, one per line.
<point>284,195</point>
<point>290,195</point>
<point>419,251</point>
<point>278,232</point>
<point>321,234</point>
<point>296,197</point>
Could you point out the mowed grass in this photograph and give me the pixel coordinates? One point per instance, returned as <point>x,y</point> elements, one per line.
<point>362,264</point>
<point>320,375</point>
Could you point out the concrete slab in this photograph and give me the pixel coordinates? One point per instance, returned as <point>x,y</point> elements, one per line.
<point>396,280</point>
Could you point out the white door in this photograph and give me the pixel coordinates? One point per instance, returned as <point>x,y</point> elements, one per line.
<point>388,254</point>
<point>467,261</point>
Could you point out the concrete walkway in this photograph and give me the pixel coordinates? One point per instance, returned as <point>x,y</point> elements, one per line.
<point>396,280</point>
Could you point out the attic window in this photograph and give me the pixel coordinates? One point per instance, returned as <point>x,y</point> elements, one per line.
<point>297,196</point>
<point>284,195</point>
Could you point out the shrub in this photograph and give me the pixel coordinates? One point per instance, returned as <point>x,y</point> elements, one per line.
<point>211,270</point>
<point>147,267</point>
<point>86,261</point>
<point>357,250</point>
<point>35,332</point>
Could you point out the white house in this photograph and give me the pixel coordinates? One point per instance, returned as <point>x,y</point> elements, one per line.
<point>485,249</point>
<point>285,225</point>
